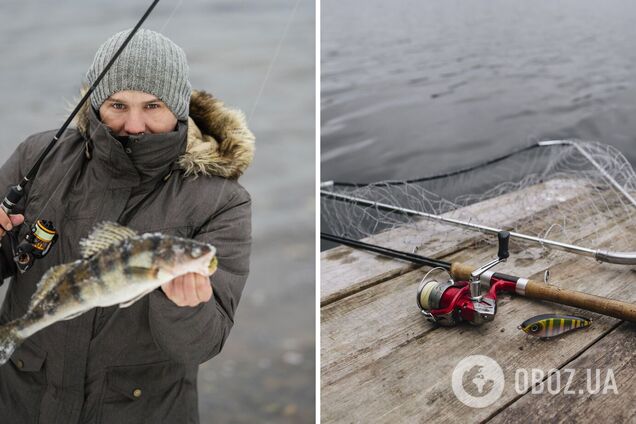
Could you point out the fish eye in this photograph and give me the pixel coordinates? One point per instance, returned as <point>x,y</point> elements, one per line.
<point>534,328</point>
<point>196,251</point>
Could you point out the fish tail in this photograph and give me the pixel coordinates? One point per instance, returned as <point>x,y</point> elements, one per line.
<point>9,340</point>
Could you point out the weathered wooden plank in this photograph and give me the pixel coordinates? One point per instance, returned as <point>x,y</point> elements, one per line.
<point>580,401</point>
<point>345,271</point>
<point>373,341</point>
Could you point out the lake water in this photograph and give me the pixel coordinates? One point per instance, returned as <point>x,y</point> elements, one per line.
<point>257,56</point>
<point>412,88</point>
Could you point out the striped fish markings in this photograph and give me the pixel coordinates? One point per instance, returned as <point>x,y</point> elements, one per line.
<point>118,266</point>
<point>550,325</point>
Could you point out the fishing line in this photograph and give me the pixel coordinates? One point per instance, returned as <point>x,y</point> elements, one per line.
<point>269,69</point>
<point>171,15</point>
<point>274,59</point>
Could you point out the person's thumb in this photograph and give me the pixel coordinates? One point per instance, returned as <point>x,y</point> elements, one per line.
<point>16,219</point>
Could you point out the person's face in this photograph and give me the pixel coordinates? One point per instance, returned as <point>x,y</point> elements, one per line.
<point>134,112</point>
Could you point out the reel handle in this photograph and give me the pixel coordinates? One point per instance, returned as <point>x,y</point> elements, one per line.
<point>460,271</point>
<point>503,237</point>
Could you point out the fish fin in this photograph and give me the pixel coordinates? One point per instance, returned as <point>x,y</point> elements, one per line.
<point>133,300</point>
<point>9,340</point>
<point>48,281</point>
<point>104,235</point>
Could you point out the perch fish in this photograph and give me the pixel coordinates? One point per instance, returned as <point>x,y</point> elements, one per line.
<point>118,267</point>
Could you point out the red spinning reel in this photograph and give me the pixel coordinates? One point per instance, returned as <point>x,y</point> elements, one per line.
<point>446,302</point>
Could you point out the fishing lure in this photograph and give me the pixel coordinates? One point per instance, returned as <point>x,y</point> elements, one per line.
<point>550,325</point>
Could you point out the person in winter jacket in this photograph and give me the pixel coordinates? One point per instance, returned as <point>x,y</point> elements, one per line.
<point>153,155</point>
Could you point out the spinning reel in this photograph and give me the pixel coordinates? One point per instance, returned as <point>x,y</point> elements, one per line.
<point>38,241</point>
<point>447,302</point>
<point>36,244</point>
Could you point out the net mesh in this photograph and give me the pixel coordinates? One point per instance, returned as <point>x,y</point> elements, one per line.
<point>565,191</point>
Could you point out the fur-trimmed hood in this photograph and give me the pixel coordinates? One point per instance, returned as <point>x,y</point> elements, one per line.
<point>219,142</point>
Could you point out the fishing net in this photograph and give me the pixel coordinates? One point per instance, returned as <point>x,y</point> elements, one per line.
<point>563,191</point>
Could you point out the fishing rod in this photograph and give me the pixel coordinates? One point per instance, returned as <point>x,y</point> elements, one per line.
<point>456,294</point>
<point>620,258</point>
<point>42,234</point>
<point>391,253</point>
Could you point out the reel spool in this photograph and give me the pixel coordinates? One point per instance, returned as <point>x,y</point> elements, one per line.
<point>36,244</point>
<point>430,294</point>
<point>430,291</point>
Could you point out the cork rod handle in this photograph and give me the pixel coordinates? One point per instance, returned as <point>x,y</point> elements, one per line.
<point>613,308</point>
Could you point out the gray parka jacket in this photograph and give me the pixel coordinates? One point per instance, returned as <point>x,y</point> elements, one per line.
<point>137,364</point>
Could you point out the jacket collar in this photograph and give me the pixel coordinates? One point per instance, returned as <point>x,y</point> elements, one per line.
<point>218,141</point>
<point>149,156</point>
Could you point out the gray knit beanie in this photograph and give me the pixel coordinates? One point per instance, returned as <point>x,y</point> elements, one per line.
<point>151,63</point>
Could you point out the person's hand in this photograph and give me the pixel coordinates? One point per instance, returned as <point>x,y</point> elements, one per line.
<point>7,222</point>
<point>188,290</point>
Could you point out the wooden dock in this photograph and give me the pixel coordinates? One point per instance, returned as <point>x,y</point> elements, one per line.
<point>381,361</point>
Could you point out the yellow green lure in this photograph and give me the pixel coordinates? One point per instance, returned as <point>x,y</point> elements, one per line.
<point>550,325</point>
